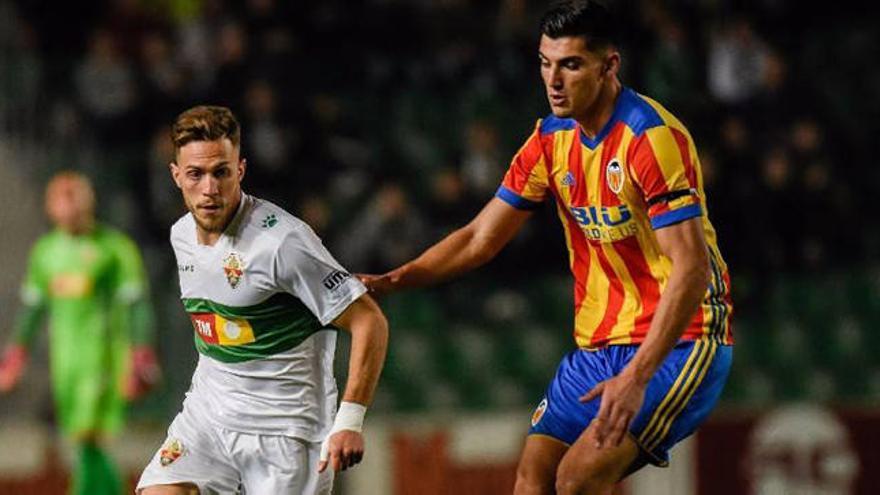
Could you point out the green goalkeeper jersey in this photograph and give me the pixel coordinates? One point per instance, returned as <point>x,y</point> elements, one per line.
<point>93,289</point>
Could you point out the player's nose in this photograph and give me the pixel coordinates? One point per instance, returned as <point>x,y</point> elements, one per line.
<point>211,185</point>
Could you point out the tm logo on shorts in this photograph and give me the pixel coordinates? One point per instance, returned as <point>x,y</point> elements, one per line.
<point>334,280</point>
<point>539,412</point>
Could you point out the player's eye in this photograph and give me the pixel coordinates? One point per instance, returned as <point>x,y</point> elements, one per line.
<point>194,174</point>
<point>223,172</point>
<point>572,64</point>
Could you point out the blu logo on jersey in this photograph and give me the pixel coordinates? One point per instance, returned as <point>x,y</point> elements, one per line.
<point>605,223</point>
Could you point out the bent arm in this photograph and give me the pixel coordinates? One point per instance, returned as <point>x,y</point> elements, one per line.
<point>685,246</point>
<point>463,250</point>
<point>369,342</point>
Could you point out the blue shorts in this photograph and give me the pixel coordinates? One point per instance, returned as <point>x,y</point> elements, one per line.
<point>678,399</point>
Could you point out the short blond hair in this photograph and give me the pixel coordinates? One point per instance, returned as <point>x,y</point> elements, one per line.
<point>205,123</point>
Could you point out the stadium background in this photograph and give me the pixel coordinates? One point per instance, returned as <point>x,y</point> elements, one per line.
<point>386,123</point>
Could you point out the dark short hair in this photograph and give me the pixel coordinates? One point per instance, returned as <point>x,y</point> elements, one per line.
<point>588,18</point>
<point>205,123</point>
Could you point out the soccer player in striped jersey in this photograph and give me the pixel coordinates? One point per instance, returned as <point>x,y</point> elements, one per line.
<point>265,299</point>
<point>651,291</point>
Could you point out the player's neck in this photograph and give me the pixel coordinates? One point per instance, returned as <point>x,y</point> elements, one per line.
<point>81,228</point>
<point>595,118</point>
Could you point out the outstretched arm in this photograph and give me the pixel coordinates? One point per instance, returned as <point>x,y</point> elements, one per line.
<point>461,251</point>
<point>344,446</point>
<point>622,395</point>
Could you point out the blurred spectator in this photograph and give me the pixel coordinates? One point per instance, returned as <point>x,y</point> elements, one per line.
<point>483,164</point>
<point>670,71</point>
<point>737,61</point>
<point>107,88</point>
<point>387,232</point>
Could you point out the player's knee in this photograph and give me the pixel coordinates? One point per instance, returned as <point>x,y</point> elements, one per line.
<point>532,481</point>
<point>586,481</point>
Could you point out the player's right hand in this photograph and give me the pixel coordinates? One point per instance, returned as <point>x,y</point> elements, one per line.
<point>144,375</point>
<point>341,450</point>
<point>377,285</point>
<point>12,367</point>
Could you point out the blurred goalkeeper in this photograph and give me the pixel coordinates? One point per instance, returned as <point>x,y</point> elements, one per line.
<point>265,299</point>
<point>90,280</point>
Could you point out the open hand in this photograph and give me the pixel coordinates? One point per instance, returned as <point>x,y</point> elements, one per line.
<point>621,398</point>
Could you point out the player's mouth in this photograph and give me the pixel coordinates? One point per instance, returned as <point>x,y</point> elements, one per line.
<point>557,100</point>
<point>209,209</point>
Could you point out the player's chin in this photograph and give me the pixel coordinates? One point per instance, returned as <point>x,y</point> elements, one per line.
<point>210,223</point>
<point>560,112</point>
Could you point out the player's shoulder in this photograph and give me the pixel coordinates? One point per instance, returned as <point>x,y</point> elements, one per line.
<point>108,233</point>
<point>178,231</point>
<point>641,113</point>
<point>45,242</point>
<point>552,124</point>
<point>271,223</point>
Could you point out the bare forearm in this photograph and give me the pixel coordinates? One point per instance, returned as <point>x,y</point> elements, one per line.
<point>675,310</point>
<point>369,342</point>
<point>458,253</point>
<point>465,249</point>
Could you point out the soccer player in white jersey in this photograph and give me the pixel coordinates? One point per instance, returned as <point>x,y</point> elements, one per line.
<point>265,299</point>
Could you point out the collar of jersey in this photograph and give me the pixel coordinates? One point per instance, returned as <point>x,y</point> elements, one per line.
<point>615,116</point>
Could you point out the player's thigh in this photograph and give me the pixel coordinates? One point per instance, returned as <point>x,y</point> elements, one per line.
<point>587,469</point>
<point>281,465</point>
<point>177,489</point>
<point>536,471</point>
<point>191,455</point>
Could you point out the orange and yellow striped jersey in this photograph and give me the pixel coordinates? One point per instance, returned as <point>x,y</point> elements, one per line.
<point>640,173</point>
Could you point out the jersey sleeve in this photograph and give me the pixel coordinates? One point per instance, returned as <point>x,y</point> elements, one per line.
<point>663,166</point>
<point>131,291</point>
<point>130,280</point>
<point>525,184</point>
<point>304,268</point>
<point>34,297</point>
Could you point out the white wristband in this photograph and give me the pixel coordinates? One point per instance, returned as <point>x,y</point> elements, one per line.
<point>350,416</point>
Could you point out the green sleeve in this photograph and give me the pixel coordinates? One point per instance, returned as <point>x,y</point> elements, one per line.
<point>131,290</point>
<point>34,296</point>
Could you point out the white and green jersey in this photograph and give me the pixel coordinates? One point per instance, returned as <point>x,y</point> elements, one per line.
<point>260,300</point>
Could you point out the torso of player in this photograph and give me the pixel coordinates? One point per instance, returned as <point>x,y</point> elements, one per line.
<point>619,269</point>
<point>266,359</point>
<point>238,311</point>
<point>76,275</point>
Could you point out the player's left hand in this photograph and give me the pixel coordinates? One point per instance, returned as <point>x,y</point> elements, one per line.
<point>341,450</point>
<point>621,399</point>
<point>145,373</point>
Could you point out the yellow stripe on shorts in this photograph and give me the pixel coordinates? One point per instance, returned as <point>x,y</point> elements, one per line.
<point>686,375</point>
<point>695,378</point>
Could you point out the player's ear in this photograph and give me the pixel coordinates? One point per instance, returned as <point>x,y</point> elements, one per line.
<point>612,64</point>
<point>175,172</point>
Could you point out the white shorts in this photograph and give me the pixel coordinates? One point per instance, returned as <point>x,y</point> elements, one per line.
<point>221,462</point>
